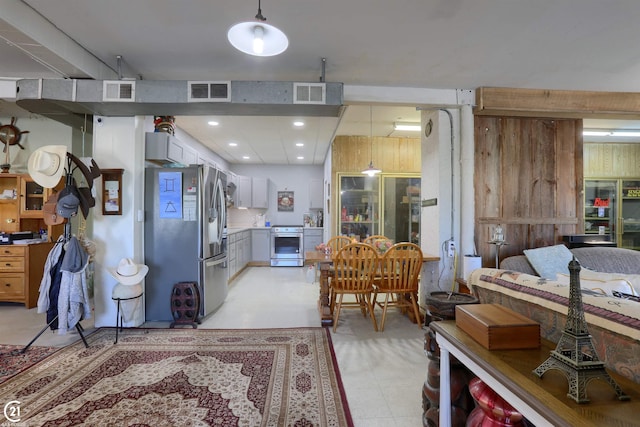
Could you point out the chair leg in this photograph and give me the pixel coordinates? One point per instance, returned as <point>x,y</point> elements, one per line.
<point>373,316</point>
<point>416,311</point>
<point>384,311</point>
<point>336,313</point>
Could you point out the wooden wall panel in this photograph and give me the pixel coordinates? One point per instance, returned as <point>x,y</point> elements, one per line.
<point>528,178</point>
<point>611,160</point>
<point>392,155</point>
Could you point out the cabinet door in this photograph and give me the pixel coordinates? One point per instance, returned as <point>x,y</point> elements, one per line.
<point>630,215</point>
<point>312,238</point>
<point>600,200</point>
<point>32,198</point>
<point>259,193</point>
<point>243,192</point>
<point>316,193</point>
<point>260,245</point>
<point>9,209</point>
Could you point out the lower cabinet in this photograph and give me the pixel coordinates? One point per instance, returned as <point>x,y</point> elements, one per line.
<point>260,246</point>
<point>239,252</point>
<point>21,270</point>
<point>312,238</point>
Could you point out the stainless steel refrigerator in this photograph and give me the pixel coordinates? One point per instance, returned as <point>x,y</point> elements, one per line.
<point>184,239</point>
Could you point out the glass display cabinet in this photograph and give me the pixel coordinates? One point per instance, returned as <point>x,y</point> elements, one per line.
<point>382,204</point>
<point>600,200</point>
<point>629,230</point>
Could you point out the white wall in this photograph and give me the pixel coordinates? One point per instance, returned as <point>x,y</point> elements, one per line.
<point>118,144</point>
<point>42,131</point>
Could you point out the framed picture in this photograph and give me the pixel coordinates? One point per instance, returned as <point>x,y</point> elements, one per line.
<point>307,219</point>
<point>112,191</point>
<point>285,201</point>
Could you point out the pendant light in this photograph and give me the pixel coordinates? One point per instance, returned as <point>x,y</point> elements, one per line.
<point>371,170</point>
<point>258,38</point>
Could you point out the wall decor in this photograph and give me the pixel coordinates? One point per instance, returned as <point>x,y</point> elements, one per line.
<point>112,191</point>
<point>285,201</point>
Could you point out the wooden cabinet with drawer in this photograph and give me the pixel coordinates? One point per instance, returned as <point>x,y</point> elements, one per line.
<point>21,270</point>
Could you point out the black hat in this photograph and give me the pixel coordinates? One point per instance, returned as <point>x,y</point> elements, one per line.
<point>68,202</point>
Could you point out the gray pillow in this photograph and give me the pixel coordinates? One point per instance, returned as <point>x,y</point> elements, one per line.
<point>550,260</point>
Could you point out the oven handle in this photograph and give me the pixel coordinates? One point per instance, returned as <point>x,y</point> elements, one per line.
<point>287,234</point>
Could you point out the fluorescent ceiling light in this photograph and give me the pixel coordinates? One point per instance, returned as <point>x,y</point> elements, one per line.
<point>629,133</point>
<point>413,127</point>
<point>298,124</point>
<point>233,144</point>
<point>299,144</point>
<point>300,157</point>
<point>213,123</point>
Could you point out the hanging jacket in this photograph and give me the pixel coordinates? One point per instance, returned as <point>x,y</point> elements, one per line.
<point>73,299</point>
<point>53,258</point>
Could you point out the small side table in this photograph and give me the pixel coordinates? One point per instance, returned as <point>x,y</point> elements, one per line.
<point>124,293</point>
<point>499,244</point>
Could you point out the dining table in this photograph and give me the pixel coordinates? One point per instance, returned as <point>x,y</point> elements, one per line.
<point>324,262</point>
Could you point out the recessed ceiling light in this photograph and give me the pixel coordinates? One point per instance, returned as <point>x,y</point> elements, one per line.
<point>299,144</point>
<point>233,144</point>
<point>245,157</point>
<point>298,124</point>
<point>213,123</point>
<point>300,157</point>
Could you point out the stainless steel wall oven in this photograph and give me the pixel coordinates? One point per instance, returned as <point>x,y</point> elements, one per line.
<point>287,246</point>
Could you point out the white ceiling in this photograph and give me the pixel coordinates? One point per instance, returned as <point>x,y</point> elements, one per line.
<point>437,44</point>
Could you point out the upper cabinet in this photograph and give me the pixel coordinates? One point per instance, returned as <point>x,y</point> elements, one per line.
<point>243,191</point>
<point>252,192</point>
<point>259,193</point>
<point>21,203</point>
<point>162,148</point>
<point>316,193</point>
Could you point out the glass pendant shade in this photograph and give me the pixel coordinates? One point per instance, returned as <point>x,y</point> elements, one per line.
<point>257,38</point>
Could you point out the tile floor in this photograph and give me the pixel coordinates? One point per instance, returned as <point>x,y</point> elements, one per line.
<point>382,372</point>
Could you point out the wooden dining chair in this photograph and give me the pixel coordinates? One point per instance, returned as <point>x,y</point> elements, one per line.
<point>336,243</point>
<point>398,279</point>
<point>355,267</point>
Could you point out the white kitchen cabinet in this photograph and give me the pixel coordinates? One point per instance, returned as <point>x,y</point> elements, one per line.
<point>260,193</point>
<point>243,191</point>
<point>316,193</point>
<point>312,238</point>
<point>246,248</point>
<point>260,245</point>
<point>189,156</point>
<point>161,147</point>
<point>231,252</point>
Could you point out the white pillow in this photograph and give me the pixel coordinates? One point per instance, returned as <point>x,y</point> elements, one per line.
<point>602,285</point>
<point>549,260</point>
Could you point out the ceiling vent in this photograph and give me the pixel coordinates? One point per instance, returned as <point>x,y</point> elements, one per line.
<point>209,91</point>
<point>309,93</point>
<point>118,90</point>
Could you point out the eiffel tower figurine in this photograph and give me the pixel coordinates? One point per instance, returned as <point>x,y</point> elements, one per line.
<point>575,355</point>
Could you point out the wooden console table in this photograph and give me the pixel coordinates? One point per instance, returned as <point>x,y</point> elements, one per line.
<point>543,401</point>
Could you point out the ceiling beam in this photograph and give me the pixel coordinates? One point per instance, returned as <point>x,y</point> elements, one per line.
<point>492,101</point>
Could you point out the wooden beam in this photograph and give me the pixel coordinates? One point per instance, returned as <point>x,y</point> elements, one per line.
<point>493,101</point>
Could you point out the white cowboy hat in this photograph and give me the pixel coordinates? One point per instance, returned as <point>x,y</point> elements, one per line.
<point>46,164</point>
<point>128,272</point>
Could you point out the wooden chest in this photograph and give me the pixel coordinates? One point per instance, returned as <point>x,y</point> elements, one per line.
<point>497,327</point>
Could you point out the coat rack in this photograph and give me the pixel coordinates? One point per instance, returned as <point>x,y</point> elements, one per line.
<point>71,159</point>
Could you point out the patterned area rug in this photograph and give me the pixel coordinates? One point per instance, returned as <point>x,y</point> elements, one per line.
<point>12,361</point>
<point>171,377</point>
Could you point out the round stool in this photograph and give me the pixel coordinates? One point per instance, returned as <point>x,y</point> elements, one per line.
<point>128,299</point>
